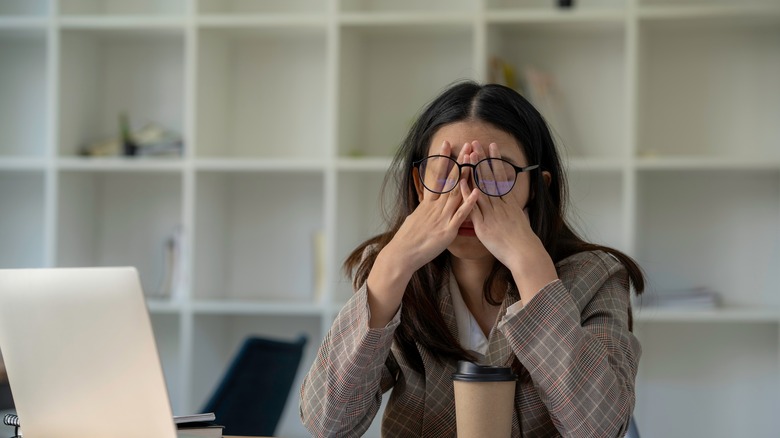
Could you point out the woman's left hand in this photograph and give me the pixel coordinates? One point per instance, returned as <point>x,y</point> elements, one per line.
<point>503,226</point>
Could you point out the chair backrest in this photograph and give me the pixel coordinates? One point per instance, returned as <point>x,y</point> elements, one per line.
<point>633,431</point>
<point>251,396</point>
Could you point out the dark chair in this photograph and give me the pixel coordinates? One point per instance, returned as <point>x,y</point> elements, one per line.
<point>251,396</point>
<point>6,399</point>
<point>633,431</point>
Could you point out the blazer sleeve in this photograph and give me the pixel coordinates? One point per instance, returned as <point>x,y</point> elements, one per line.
<point>342,392</point>
<point>583,363</point>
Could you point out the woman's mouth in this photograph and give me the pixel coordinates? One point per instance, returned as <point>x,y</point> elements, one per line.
<point>467,229</point>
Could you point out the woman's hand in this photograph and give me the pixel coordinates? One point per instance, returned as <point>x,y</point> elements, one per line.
<point>503,227</point>
<point>425,234</point>
<point>433,225</point>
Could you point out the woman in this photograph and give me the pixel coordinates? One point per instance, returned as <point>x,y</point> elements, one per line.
<point>479,264</point>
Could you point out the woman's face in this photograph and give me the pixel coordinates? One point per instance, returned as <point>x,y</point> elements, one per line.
<point>466,245</point>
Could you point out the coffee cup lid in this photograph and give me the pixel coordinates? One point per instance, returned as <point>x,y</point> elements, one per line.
<point>471,372</point>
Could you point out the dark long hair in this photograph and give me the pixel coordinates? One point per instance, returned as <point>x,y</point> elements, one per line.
<point>505,109</point>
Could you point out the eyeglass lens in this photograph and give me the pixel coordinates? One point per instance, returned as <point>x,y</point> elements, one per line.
<point>492,176</point>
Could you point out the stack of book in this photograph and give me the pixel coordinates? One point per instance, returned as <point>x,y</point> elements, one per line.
<point>197,425</point>
<point>692,298</point>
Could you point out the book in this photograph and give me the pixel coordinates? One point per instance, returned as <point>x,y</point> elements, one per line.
<point>194,418</point>
<point>542,90</point>
<point>197,425</point>
<point>318,264</point>
<point>213,431</point>
<point>691,298</point>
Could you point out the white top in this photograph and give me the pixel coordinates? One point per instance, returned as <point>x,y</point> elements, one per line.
<point>470,334</point>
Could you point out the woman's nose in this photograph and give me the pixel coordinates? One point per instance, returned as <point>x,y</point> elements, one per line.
<point>467,173</point>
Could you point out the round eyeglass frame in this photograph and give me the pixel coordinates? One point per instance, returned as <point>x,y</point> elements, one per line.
<point>518,169</point>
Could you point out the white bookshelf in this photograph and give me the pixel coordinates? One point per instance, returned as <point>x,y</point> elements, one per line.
<point>290,111</point>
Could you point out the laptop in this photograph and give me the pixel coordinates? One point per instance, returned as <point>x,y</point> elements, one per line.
<point>80,354</point>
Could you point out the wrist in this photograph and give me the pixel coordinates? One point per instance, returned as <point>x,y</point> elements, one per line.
<point>532,274</point>
<point>396,263</point>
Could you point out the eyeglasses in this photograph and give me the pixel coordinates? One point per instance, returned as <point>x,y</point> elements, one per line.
<point>493,176</point>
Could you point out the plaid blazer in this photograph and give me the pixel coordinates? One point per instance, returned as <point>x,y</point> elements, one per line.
<point>578,355</point>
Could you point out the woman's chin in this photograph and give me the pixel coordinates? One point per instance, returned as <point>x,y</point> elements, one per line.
<point>468,247</point>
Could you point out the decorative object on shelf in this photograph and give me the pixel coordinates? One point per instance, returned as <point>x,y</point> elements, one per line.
<point>129,146</point>
<point>170,277</point>
<point>154,140</point>
<point>501,72</point>
<point>151,140</point>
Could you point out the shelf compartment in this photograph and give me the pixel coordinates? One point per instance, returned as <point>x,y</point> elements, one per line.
<point>254,235</point>
<point>163,306</point>
<point>410,6</point>
<point>729,242</point>
<point>586,63</point>
<point>649,314</point>
<point>169,343</point>
<point>381,164</point>
<point>724,10</point>
<point>592,165</point>
<point>118,219</point>
<point>24,8</point>
<point>595,209</point>
<point>715,367</point>
<point>259,165</point>
<point>22,163</point>
<point>685,4</point>
<point>681,114</point>
<point>261,92</point>
<point>388,73</point>
<point>124,22</point>
<point>359,217</point>
<point>578,5</point>
<point>707,163</point>
<point>105,72</point>
<point>265,7</point>
<point>554,16</point>
<point>217,339</point>
<point>22,221</point>
<point>122,7</point>
<point>122,164</point>
<point>24,87</point>
<point>245,307</point>
<point>443,18</point>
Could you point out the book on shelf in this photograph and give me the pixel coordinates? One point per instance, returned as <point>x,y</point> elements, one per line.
<point>318,264</point>
<point>197,425</point>
<point>171,251</point>
<point>541,89</point>
<point>690,298</point>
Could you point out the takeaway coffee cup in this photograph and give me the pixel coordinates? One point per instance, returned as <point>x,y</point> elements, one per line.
<point>484,400</point>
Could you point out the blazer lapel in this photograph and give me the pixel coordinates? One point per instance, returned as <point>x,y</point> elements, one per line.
<point>445,305</point>
<point>499,353</point>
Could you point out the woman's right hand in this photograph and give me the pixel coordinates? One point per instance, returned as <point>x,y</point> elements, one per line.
<point>434,224</point>
<point>425,234</point>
